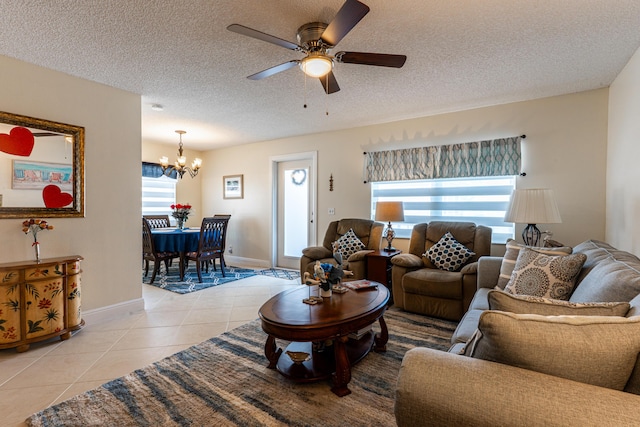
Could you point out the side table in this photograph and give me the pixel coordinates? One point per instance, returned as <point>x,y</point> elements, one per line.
<point>379,268</point>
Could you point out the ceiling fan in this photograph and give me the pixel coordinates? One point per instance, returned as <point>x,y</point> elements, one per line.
<point>315,40</point>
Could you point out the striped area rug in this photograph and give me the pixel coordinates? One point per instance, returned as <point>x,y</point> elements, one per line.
<point>225,382</point>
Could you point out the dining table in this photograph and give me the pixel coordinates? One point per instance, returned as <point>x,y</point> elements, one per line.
<point>172,239</point>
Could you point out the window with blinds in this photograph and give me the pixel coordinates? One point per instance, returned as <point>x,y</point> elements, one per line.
<point>482,200</point>
<point>158,194</point>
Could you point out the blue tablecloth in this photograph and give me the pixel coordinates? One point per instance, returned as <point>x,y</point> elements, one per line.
<point>174,240</point>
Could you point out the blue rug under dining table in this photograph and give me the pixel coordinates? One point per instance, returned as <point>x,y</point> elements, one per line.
<point>171,280</point>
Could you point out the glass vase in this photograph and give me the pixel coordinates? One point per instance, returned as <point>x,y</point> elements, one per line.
<point>36,248</point>
<point>180,223</point>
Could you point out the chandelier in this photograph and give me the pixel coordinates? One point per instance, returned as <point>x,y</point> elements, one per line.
<point>180,166</point>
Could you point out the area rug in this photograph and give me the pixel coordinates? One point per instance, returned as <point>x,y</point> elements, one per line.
<point>171,280</point>
<point>225,382</point>
<point>280,273</point>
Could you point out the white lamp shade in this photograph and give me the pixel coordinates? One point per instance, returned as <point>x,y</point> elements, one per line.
<point>389,211</point>
<point>316,66</point>
<point>533,206</point>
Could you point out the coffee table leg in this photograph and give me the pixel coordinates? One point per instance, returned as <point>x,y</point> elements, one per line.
<point>343,368</point>
<point>381,337</point>
<point>272,352</point>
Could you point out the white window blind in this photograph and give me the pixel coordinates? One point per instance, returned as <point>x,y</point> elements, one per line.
<point>482,200</point>
<point>158,194</point>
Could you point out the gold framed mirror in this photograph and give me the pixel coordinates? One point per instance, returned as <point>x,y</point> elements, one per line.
<point>41,168</point>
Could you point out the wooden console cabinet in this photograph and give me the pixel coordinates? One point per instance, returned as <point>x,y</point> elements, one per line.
<point>39,300</point>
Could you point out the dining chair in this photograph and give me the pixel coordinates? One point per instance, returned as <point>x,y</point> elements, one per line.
<point>157,221</point>
<point>213,235</point>
<point>222,216</point>
<point>149,252</point>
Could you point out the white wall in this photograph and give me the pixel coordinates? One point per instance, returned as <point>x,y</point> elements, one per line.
<point>108,237</point>
<point>623,173</point>
<point>565,150</point>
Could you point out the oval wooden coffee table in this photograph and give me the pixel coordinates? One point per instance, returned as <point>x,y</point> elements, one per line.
<point>310,327</point>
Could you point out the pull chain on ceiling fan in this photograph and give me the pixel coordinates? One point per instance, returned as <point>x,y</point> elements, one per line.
<point>315,40</point>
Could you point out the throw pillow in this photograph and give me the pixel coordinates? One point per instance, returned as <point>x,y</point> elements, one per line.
<point>527,304</point>
<point>549,276</point>
<point>598,350</point>
<point>511,255</point>
<point>449,254</point>
<point>349,244</point>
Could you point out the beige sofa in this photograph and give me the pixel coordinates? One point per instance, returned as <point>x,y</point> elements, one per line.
<point>446,388</point>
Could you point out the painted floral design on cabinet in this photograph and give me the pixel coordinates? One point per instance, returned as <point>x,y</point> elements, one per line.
<point>10,307</point>
<point>49,295</point>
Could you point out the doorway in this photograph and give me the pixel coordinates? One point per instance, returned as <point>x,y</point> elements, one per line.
<point>294,207</point>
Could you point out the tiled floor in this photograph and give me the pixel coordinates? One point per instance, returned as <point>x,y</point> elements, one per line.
<point>55,370</point>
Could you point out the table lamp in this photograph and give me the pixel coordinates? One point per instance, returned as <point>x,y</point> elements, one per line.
<point>389,211</point>
<point>532,206</point>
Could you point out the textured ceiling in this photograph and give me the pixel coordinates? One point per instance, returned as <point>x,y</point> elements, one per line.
<point>461,54</point>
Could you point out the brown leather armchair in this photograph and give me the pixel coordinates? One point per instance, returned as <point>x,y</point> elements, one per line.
<point>369,232</point>
<point>420,287</point>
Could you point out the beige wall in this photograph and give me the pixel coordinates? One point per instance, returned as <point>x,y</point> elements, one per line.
<point>565,149</point>
<point>108,236</point>
<point>188,189</point>
<point>623,173</point>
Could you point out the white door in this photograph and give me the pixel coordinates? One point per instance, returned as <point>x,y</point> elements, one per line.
<point>295,201</point>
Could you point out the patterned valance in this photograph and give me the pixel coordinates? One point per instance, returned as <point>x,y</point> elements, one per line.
<point>498,157</point>
<point>154,170</point>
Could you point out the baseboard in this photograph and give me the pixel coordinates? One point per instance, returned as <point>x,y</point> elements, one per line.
<point>237,261</point>
<point>112,312</point>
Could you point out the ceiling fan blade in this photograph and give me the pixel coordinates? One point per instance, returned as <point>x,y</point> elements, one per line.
<point>329,83</point>
<point>273,70</point>
<point>250,32</point>
<point>351,12</point>
<point>380,59</point>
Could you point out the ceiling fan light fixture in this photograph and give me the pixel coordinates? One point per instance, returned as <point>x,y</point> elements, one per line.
<point>316,65</point>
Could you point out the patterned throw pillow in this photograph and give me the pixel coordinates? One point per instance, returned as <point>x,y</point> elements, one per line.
<point>548,276</point>
<point>349,244</point>
<point>511,255</point>
<point>449,254</point>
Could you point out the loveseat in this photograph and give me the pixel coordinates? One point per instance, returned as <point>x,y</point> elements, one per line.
<point>449,388</point>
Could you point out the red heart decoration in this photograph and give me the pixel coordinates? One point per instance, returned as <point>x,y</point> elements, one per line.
<point>54,198</point>
<point>19,142</point>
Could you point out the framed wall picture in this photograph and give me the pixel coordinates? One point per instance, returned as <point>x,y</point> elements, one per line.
<point>233,187</point>
<point>37,175</point>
